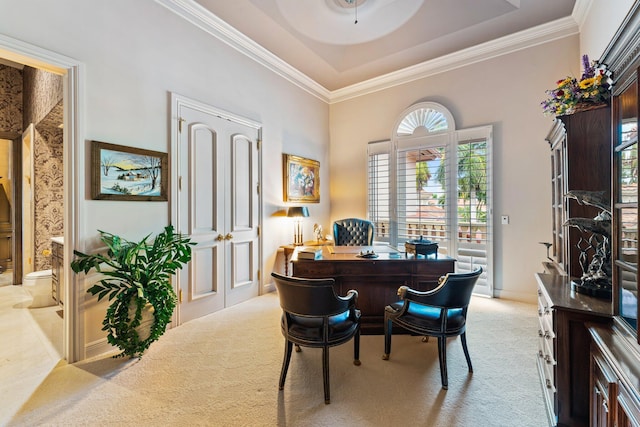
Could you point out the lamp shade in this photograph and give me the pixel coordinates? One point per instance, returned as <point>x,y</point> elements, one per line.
<point>298,211</point>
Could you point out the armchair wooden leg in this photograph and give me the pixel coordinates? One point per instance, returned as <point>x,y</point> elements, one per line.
<point>298,349</point>
<point>463,338</point>
<point>356,349</point>
<point>325,374</point>
<point>442,356</point>
<point>388,329</point>
<point>285,363</point>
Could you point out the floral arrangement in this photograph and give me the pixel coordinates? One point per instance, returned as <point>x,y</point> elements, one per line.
<point>571,93</point>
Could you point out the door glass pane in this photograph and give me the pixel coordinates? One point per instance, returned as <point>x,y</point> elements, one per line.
<point>626,207</point>
<point>422,202</point>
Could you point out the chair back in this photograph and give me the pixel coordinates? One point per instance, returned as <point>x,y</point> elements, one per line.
<point>353,232</point>
<point>308,297</point>
<point>456,291</point>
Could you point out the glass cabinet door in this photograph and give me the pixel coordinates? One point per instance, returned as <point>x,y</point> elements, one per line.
<point>626,204</point>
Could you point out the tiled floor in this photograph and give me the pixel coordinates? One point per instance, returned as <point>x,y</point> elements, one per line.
<point>31,346</point>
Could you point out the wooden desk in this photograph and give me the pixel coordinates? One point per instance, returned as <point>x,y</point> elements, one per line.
<point>289,249</point>
<point>377,280</point>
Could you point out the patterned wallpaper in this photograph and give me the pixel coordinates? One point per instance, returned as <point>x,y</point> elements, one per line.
<point>35,96</point>
<point>48,185</point>
<point>10,99</point>
<point>43,107</point>
<point>42,92</point>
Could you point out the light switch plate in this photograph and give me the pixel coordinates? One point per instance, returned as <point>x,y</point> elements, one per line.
<point>505,219</point>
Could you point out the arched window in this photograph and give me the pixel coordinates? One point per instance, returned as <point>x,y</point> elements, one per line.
<point>425,118</point>
<point>434,181</point>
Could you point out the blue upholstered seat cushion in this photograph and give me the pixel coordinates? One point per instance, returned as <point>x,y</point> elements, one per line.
<point>310,328</point>
<point>427,318</point>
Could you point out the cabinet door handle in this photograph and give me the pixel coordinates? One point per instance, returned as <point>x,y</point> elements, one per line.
<point>220,238</point>
<point>229,236</point>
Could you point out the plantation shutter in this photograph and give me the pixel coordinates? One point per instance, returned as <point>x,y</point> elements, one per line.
<point>379,188</point>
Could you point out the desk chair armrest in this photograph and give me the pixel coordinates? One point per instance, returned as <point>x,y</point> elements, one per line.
<point>423,297</point>
<point>351,298</point>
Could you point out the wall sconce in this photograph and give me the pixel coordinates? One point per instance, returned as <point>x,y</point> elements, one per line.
<point>298,212</point>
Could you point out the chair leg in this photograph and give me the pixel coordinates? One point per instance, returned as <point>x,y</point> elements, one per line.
<point>442,356</point>
<point>285,363</point>
<point>388,329</point>
<point>356,349</point>
<point>325,373</point>
<point>463,338</point>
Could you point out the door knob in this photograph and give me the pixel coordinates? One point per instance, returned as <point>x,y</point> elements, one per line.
<point>220,238</point>
<point>229,236</point>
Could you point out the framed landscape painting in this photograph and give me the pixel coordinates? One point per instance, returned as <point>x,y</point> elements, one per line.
<point>127,173</point>
<point>301,179</point>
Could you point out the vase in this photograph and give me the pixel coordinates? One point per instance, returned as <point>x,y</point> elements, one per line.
<point>144,328</point>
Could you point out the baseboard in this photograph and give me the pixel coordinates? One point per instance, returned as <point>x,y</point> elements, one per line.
<point>98,348</point>
<point>268,287</point>
<point>530,298</point>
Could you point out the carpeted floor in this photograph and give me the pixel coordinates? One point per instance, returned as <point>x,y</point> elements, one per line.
<point>223,369</point>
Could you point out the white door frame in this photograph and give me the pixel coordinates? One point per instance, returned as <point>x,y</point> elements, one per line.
<point>74,183</point>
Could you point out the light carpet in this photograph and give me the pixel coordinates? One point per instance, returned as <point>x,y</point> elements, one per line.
<point>223,370</point>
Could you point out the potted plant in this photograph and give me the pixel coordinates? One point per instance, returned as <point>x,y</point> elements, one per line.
<point>137,280</point>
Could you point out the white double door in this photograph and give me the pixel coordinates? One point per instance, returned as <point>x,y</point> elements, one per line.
<point>218,207</point>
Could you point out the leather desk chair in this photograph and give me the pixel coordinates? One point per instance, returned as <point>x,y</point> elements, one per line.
<point>314,316</point>
<point>353,232</point>
<point>441,313</point>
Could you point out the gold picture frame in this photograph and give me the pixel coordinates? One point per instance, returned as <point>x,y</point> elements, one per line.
<point>127,173</point>
<point>301,178</point>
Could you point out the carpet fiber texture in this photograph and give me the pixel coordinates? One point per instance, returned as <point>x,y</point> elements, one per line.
<point>223,370</point>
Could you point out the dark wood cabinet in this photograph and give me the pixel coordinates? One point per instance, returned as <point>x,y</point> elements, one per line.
<point>580,160</point>
<point>615,348</point>
<point>563,351</point>
<point>615,376</point>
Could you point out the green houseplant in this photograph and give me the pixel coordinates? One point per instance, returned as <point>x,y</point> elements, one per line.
<point>137,281</point>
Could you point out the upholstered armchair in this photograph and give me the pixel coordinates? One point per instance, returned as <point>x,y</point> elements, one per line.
<point>441,313</point>
<point>314,316</point>
<point>353,232</point>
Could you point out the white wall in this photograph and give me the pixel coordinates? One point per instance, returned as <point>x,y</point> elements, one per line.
<point>505,92</point>
<point>600,25</point>
<point>134,54</point>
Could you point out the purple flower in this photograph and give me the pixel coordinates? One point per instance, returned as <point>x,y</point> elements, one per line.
<point>589,69</point>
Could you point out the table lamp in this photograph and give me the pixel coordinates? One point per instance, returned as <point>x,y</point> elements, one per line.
<point>297,212</point>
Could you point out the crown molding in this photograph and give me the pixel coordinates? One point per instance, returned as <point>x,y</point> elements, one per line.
<point>210,23</point>
<point>581,10</point>
<point>524,39</point>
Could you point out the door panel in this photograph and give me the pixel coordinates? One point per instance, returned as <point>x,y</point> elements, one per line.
<point>243,283</point>
<point>219,209</point>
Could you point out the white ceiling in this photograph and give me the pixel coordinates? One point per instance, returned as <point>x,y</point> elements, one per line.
<point>320,39</point>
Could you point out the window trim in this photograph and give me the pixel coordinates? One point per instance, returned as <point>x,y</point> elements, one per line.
<point>450,138</point>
